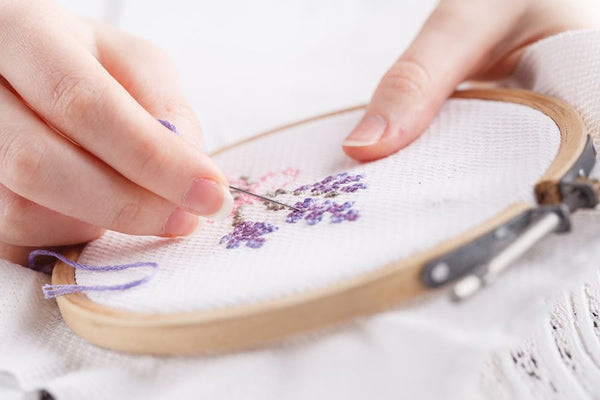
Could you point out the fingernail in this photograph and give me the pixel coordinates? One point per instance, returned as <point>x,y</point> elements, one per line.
<point>209,199</point>
<point>180,223</point>
<point>368,132</point>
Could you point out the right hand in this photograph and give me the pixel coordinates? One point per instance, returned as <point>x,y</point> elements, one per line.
<point>80,147</point>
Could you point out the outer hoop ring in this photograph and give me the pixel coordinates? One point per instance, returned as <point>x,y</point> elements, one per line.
<point>255,324</point>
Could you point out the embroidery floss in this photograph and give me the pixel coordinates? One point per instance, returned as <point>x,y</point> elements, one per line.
<point>51,291</point>
<point>249,232</point>
<point>332,185</point>
<point>310,209</point>
<point>273,206</point>
<point>313,211</point>
<point>272,181</point>
<point>169,126</point>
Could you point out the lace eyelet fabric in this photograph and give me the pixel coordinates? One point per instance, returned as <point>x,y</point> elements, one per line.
<point>560,360</point>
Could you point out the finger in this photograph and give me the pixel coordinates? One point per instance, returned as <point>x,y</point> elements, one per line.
<point>445,52</point>
<point>68,87</point>
<point>25,223</point>
<point>155,86</point>
<point>47,169</point>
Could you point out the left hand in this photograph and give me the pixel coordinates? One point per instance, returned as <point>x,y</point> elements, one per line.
<point>477,39</point>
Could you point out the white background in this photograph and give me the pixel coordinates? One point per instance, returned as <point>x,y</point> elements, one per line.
<point>249,66</point>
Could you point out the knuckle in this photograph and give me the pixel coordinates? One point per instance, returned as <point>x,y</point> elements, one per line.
<point>74,95</point>
<point>407,76</point>
<point>150,159</point>
<point>24,165</point>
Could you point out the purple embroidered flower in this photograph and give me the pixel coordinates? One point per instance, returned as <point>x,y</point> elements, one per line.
<point>248,232</point>
<point>351,215</point>
<point>353,188</point>
<point>313,211</point>
<point>332,185</point>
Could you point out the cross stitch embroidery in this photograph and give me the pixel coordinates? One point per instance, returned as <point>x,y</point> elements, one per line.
<point>249,233</point>
<point>312,209</point>
<point>273,181</point>
<point>312,212</point>
<point>332,185</point>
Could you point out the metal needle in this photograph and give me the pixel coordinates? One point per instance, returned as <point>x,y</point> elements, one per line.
<point>263,198</point>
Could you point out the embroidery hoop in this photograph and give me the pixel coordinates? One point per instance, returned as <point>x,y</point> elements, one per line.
<point>262,322</point>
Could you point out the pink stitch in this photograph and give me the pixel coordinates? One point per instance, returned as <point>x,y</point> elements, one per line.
<point>292,173</point>
<point>312,209</point>
<point>268,182</point>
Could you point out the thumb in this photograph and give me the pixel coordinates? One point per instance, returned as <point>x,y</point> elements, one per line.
<point>456,40</point>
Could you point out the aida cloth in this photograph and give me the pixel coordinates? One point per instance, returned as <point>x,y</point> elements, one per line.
<point>477,158</point>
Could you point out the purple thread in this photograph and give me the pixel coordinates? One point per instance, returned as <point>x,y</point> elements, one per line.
<point>333,184</point>
<point>313,211</point>
<point>168,125</point>
<point>51,291</point>
<point>310,210</point>
<point>249,232</point>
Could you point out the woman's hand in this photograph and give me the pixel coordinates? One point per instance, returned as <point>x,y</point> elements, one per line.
<point>81,149</point>
<point>461,39</point>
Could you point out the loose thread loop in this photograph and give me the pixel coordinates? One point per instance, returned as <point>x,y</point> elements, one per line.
<point>51,291</point>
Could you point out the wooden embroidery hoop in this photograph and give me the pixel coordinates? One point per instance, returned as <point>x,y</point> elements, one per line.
<point>255,324</point>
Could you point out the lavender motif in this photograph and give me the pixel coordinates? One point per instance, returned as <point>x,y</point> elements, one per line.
<point>311,209</point>
<point>249,232</point>
<point>333,185</point>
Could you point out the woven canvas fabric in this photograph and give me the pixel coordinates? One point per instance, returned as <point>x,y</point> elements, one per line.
<point>429,350</point>
<point>567,68</point>
<point>561,356</point>
<point>477,158</point>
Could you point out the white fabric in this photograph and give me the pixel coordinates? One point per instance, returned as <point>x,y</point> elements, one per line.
<point>477,158</point>
<point>566,344</point>
<point>429,350</point>
<point>561,358</point>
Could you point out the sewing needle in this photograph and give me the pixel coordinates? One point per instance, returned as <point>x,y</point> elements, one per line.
<point>263,198</point>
